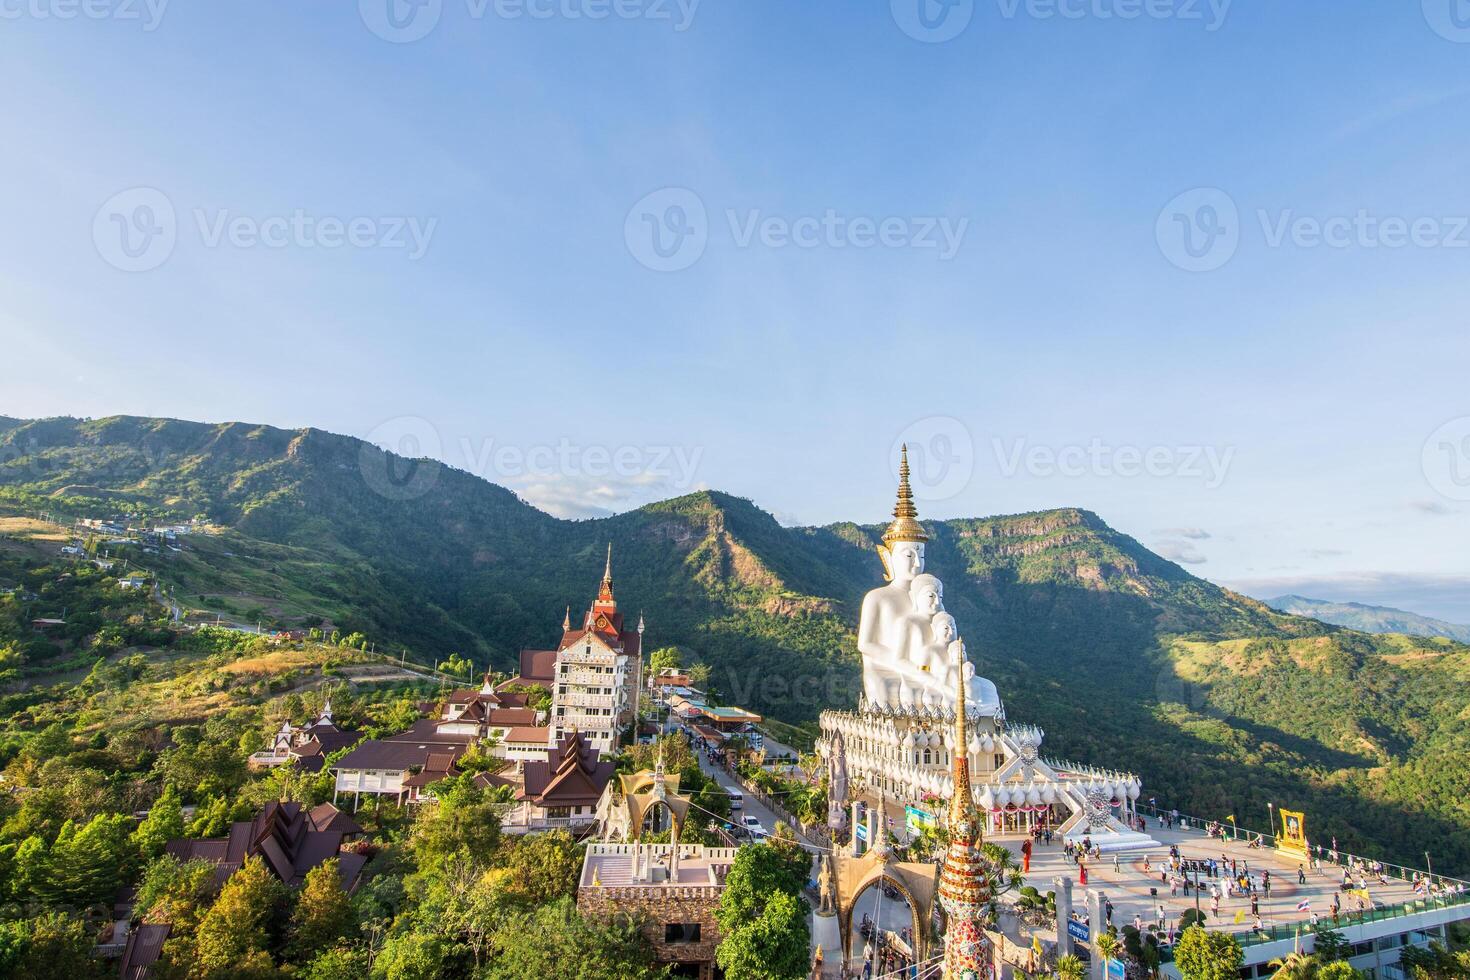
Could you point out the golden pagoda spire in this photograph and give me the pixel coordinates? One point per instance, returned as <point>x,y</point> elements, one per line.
<point>605,592</point>
<point>961,805</point>
<point>964,888</point>
<point>905,526</point>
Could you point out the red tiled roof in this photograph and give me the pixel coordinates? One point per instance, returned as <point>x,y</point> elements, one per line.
<point>290,839</point>
<point>490,780</point>
<point>536,665</point>
<point>144,947</point>
<point>571,775</point>
<point>531,733</point>
<point>512,717</point>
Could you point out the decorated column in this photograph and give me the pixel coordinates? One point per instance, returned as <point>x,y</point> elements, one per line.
<point>964,889</point>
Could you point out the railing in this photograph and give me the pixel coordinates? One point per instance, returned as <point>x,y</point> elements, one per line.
<point>588,678</point>
<point>1063,765</point>
<point>573,700</point>
<point>1337,858</point>
<point>1273,933</point>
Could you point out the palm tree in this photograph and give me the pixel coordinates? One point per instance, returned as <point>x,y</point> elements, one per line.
<point>1295,966</point>
<point>1069,967</point>
<point>1108,946</point>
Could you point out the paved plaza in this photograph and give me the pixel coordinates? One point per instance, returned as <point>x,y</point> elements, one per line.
<point>1136,893</point>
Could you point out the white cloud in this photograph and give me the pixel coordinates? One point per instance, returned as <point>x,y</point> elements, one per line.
<point>1189,533</point>
<point>1181,551</point>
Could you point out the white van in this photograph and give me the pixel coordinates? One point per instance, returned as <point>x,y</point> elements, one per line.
<point>737,800</point>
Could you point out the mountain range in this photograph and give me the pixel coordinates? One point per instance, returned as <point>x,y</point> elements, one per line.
<point>1219,702</point>
<point>1369,619</point>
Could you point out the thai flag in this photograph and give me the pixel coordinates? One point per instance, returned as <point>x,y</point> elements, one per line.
<point>1304,906</point>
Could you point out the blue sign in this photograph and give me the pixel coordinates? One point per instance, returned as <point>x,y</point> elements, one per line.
<point>915,819</point>
<point>1078,930</point>
<point>1116,970</point>
<point>862,831</point>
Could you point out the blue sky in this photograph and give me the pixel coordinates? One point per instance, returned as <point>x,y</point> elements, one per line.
<point>1202,270</point>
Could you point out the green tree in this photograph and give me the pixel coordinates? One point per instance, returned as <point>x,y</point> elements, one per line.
<point>1069,967</point>
<point>556,941</point>
<point>538,868</point>
<point>1332,945</point>
<point>758,873</point>
<point>87,866</point>
<point>1432,963</point>
<point>165,822</point>
<point>774,946</point>
<point>463,825</point>
<point>234,937</point>
<point>338,964</point>
<point>47,947</point>
<point>323,914</point>
<point>32,869</point>
<point>1296,965</point>
<point>410,956</point>
<point>1205,955</point>
<point>664,658</point>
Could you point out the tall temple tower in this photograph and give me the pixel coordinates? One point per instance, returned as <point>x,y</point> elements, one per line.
<point>964,890</point>
<point>597,672</point>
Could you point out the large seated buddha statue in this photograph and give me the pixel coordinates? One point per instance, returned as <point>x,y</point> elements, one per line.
<point>907,641</point>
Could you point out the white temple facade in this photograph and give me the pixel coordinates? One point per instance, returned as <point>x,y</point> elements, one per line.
<point>598,673</point>
<point>898,744</point>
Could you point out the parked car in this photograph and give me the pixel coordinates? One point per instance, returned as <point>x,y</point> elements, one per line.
<point>753,826</point>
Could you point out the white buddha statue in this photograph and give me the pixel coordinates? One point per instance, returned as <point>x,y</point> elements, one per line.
<point>910,645</point>
<point>889,678</point>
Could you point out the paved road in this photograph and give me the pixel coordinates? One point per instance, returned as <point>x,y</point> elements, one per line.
<point>751,806</point>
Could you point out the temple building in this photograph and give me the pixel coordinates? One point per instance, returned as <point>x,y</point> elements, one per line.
<point>561,790</point>
<point>900,742</point>
<point>486,713</point>
<point>307,745</point>
<point>598,672</point>
<point>290,838</point>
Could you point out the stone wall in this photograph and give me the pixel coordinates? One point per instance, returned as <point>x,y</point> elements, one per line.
<point>658,907</point>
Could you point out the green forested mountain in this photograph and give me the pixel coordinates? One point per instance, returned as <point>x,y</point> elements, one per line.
<point>1219,702</point>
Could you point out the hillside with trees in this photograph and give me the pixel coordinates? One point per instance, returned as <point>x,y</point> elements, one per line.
<point>1220,703</point>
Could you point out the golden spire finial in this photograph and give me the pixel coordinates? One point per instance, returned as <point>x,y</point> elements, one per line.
<point>962,805</point>
<point>605,592</point>
<point>905,526</point>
